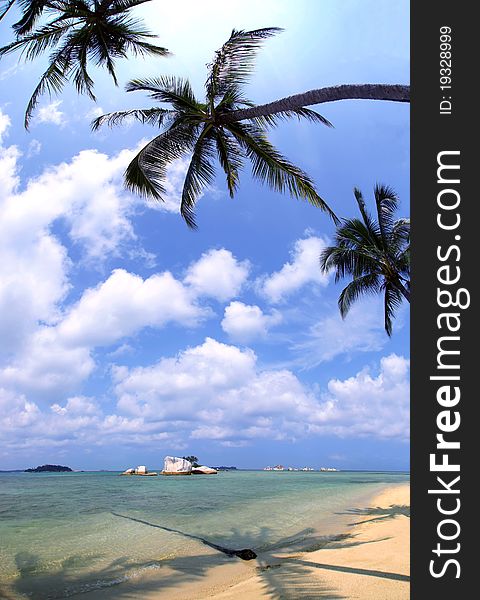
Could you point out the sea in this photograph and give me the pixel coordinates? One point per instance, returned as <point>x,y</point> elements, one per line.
<point>67,534</point>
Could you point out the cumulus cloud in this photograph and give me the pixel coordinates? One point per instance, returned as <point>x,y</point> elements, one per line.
<point>51,114</point>
<point>208,391</point>
<point>217,274</point>
<point>59,357</point>
<point>303,269</point>
<point>368,405</point>
<point>45,344</point>
<point>244,322</point>
<point>218,392</point>
<point>124,304</point>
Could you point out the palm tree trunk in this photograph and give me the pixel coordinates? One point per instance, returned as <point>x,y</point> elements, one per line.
<point>368,91</point>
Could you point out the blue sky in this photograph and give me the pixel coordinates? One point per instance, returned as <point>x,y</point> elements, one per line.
<point>127,336</point>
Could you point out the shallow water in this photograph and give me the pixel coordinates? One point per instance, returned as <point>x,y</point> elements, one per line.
<point>59,535</point>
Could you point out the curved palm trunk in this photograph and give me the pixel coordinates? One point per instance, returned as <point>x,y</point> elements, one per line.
<point>368,91</point>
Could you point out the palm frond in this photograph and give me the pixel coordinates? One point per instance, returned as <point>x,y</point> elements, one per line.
<point>401,231</point>
<point>34,44</point>
<point>275,119</point>
<point>230,158</point>
<point>393,299</point>
<point>353,233</point>
<point>146,173</point>
<point>386,201</point>
<point>151,116</point>
<point>347,262</point>
<point>83,81</point>
<point>233,62</point>
<point>172,90</point>
<point>121,6</point>
<point>5,6</point>
<point>367,284</point>
<point>270,167</point>
<point>52,81</point>
<point>32,9</point>
<point>200,174</point>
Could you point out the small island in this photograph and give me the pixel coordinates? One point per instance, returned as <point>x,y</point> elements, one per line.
<point>50,469</point>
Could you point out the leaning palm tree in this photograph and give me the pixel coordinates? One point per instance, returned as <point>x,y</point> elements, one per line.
<point>82,31</point>
<point>226,126</point>
<point>198,129</point>
<point>375,253</point>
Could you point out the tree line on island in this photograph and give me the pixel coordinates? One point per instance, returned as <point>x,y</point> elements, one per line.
<point>224,126</point>
<point>50,469</point>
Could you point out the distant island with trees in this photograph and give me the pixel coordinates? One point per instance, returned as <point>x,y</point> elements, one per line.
<point>50,469</point>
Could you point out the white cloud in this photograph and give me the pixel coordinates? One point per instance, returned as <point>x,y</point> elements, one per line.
<point>217,274</point>
<point>244,322</point>
<point>47,347</point>
<point>194,377</point>
<point>303,269</point>
<point>365,405</point>
<point>51,114</point>
<point>124,304</point>
<point>217,392</point>
<point>361,331</point>
<point>4,125</point>
<point>34,148</point>
<point>96,111</point>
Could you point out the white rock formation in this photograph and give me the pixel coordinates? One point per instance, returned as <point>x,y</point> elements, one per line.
<point>203,470</point>
<point>173,465</point>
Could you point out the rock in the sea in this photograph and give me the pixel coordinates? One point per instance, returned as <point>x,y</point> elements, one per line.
<point>203,470</point>
<point>141,470</point>
<point>129,472</point>
<point>173,465</point>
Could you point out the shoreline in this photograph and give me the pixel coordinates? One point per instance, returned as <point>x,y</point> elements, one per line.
<point>372,563</point>
<point>366,558</point>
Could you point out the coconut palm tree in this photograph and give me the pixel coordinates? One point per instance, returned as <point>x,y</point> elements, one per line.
<point>79,32</point>
<point>197,128</point>
<point>212,129</point>
<point>376,253</point>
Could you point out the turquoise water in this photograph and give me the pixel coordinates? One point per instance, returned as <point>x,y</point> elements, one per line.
<point>62,534</point>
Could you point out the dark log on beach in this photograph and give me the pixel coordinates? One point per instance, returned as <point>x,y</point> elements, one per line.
<point>245,554</point>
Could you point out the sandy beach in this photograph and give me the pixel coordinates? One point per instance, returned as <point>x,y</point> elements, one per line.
<point>369,560</point>
<point>372,563</point>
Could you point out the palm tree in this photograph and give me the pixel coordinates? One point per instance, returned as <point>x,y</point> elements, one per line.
<point>199,129</point>
<point>212,129</point>
<point>375,253</point>
<point>80,32</point>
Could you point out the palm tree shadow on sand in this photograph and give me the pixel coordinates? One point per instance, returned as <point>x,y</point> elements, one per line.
<point>283,571</point>
<point>378,513</point>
